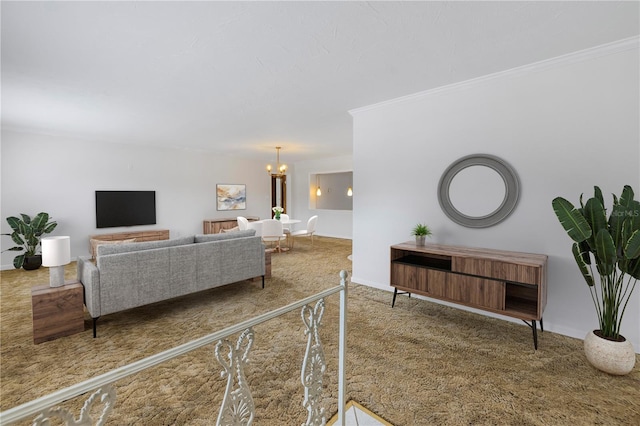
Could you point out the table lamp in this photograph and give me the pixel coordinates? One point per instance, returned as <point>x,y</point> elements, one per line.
<point>56,252</point>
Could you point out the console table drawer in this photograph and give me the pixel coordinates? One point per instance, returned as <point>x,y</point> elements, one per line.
<point>476,291</point>
<point>419,278</point>
<point>496,269</point>
<point>409,276</point>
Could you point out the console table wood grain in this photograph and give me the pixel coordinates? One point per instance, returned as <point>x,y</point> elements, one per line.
<point>215,226</point>
<point>503,282</point>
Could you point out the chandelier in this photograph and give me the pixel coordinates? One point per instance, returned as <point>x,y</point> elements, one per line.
<point>281,169</point>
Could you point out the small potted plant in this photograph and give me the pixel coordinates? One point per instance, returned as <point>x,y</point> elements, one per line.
<point>27,233</point>
<point>612,245</point>
<point>420,231</point>
<point>278,211</point>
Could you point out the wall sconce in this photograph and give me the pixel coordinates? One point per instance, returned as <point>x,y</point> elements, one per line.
<point>56,252</point>
<point>318,191</point>
<point>349,192</point>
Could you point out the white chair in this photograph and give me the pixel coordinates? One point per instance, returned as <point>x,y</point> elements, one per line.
<point>285,228</point>
<point>311,229</point>
<point>243,223</point>
<point>257,225</point>
<point>272,232</point>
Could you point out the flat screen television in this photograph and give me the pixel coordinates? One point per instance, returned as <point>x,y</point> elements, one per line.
<point>125,208</point>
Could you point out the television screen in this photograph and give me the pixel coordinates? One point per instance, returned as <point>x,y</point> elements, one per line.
<point>125,208</point>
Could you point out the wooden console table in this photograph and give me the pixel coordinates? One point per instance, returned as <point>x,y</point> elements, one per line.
<point>504,282</point>
<point>152,235</point>
<point>215,226</point>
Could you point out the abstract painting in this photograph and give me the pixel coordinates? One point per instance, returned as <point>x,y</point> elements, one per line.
<point>231,197</point>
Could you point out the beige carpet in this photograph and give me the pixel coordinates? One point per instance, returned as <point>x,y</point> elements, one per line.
<point>416,364</point>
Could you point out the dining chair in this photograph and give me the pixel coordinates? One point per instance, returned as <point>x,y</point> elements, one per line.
<point>311,229</point>
<point>257,225</point>
<point>284,218</point>
<point>243,223</point>
<point>272,232</point>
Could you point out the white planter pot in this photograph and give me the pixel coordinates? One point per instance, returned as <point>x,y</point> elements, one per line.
<point>616,358</point>
<point>420,239</point>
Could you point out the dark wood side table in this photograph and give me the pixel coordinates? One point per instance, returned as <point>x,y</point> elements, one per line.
<point>57,311</point>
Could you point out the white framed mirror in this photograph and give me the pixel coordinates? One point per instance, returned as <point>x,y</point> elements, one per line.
<point>478,191</point>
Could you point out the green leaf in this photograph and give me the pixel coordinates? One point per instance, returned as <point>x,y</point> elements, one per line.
<point>627,196</point>
<point>15,237</point>
<point>571,220</point>
<point>605,252</point>
<point>49,228</point>
<point>633,214</point>
<point>582,265</point>
<point>584,250</point>
<point>18,261</point>
<point>596,217</point>
<point>632,268</point>
<point>14,222</point>
<point>632,247</point>
<point>616,220</point>
<point>23,228</point>
<point>597,194</point>
<point>26,218</point>
<point>40,221</point>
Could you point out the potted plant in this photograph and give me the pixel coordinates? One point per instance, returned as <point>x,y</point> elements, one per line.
<point>278,211</point>
<point>612,245</point>
<point>420,231</point>
<point>27,233</point>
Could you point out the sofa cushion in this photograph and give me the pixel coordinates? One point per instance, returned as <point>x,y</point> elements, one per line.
<point>205,238</point>
<point>144,245</point>
<point>95,243</point>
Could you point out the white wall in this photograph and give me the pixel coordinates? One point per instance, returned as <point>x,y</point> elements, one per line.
<point>331,223</point>
<point>564,125</point>
<point>60,176</point>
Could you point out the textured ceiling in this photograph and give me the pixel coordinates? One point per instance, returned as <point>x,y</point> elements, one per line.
<point>239,78</point>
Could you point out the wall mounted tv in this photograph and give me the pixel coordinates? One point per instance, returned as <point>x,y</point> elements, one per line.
<point>125,208</point>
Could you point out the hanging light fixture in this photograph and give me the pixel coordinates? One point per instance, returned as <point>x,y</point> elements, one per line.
<point>349,192</point>
<point>318,192</point>
<point>281,169</point>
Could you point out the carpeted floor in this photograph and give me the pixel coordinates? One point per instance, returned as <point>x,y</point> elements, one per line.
<point>419,363</point>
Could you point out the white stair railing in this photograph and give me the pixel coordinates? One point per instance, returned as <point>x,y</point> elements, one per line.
<point>237,406</point>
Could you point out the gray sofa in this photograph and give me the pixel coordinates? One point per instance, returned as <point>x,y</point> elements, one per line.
<point>126,276</point>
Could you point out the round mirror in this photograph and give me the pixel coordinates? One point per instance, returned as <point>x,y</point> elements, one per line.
<point>478,191</point>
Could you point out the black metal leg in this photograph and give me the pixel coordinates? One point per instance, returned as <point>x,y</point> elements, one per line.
<point>395,293</point>
<point>263,281</point>
<point>541,326</point>
<point>95,320</point>
<point>534,328</point>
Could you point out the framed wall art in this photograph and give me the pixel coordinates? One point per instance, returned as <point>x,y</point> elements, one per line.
<point>231,197</point>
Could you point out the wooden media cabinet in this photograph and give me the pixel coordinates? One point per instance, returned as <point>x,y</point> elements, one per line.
<point>503,282</point>
<point>153,235</point>
<point>215,226</point>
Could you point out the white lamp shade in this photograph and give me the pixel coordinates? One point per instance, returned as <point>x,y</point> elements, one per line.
<point>56,251</point>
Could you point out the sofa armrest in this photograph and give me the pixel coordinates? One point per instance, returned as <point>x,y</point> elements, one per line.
<point>89,276</point>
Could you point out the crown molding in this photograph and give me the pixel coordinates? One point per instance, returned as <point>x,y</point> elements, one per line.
<point>623,45</point>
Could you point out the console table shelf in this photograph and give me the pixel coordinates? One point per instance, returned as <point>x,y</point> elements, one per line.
<point>503,282</point>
